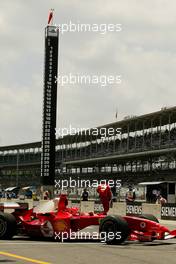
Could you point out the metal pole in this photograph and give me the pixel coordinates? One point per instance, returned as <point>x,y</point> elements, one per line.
<point>17,168</point>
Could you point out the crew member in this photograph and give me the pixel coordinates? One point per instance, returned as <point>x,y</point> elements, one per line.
<point>161,200</point>
<point>105,196</point>
<point>130,195</point>
<point>85,195</point>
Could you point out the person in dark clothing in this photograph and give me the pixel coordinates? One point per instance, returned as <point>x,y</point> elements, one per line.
<point>114,194</point>
<point>85,195</point>
<point>134,195</point>
<point>130,195</point>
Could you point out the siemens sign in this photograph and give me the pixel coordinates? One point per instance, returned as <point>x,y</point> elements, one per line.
<point>168,211</point>
<point>134,208</point>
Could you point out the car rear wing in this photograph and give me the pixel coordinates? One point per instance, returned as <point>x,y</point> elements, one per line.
<point>13,205</point>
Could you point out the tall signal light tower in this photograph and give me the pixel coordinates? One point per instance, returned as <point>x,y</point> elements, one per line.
<point>49,106</point>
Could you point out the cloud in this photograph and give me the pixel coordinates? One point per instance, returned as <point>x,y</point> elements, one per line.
<point>144,53</point>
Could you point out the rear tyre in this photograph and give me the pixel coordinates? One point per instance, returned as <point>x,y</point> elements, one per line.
<point>149,217</point>
<point>113,230</point>
<point>7,226</point>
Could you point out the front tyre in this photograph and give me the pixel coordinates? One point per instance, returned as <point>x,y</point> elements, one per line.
<point>114,230</point>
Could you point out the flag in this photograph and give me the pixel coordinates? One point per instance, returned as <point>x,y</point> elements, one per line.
<point>116,113</point>
<point>50,16</point>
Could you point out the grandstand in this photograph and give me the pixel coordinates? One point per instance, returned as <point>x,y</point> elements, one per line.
<point>144,150</point>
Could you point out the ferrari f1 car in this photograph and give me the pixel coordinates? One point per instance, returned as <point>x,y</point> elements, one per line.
<point>57,218</point>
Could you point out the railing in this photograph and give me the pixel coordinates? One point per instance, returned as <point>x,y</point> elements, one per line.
<point>81,154</point>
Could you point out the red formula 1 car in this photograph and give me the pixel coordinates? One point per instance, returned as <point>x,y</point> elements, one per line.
<point>57,220</point>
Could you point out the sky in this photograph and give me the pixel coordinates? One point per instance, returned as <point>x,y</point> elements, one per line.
<point>143,53</point>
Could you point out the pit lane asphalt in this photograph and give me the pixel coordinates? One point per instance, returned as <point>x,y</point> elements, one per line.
<point>89,252</point>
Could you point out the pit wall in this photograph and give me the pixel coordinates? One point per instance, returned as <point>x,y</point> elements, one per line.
<point>167,212</point>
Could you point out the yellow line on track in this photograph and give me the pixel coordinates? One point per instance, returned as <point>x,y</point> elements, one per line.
<point>22,258</point>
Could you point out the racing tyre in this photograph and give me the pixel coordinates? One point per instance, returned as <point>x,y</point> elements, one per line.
<point>7,226</point>
<point>113,230</point>
<point>149,217</point>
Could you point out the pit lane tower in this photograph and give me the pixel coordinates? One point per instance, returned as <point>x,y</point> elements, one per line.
<point>49,104</point>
